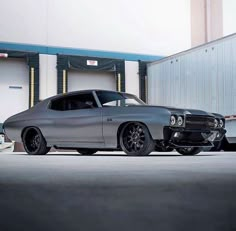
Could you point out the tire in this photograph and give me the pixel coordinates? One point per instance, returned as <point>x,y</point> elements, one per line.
<point>135,140</point>
<point>34,142</point>
<point>217,146</point>
<point>189,151</point>
<point>86,151</point>
<point>228,147</point>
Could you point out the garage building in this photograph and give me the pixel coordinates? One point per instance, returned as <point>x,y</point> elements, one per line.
<point>84,44</point>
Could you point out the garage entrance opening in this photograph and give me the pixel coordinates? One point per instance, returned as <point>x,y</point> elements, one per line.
<point>83,72</point>
<point>83,80</point>
<point>14,87</point>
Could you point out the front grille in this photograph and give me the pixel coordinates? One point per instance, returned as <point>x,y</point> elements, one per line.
<point>199,122</point>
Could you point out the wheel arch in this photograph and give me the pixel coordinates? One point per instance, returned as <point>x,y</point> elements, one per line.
<point>124,124</point>
<point>29,127</point>
<point>39,146</point>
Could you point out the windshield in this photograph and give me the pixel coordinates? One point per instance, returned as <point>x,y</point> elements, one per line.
<point>117,99</point>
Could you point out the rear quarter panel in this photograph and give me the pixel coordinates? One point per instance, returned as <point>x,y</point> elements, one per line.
<point>14,125</point>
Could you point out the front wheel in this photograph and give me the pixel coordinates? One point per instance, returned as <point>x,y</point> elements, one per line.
<point>34,142</point>
<point>86,152</point>
<point>135,140</point>
<point>189,151</point>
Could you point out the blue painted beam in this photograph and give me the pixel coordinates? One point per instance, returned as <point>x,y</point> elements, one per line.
<point>53,50</point>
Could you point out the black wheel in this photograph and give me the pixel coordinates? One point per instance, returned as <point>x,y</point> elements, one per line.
<point>189,151</point>
<point>86,151</point>
<point>34,142</point>
<point>136,140</point>
<point>217,146</point>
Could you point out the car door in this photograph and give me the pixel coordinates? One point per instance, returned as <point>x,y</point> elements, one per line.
<point>77,119</point>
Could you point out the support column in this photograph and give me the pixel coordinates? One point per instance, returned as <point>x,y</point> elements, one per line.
<point>65,82</point>
<point>31,87</point>
<point>206,21</point>
<point>118,82</point>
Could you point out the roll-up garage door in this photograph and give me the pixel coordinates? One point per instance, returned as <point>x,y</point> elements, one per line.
<point>83,80</point>
<point>14,87</point>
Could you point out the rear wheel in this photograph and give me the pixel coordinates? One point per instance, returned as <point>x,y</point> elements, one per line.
<point>86,151</point>
<point>135,140</point>
<point>189,151</point>
<point>34,142</point>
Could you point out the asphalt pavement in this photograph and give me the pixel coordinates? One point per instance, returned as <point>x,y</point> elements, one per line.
<point>111,191</point>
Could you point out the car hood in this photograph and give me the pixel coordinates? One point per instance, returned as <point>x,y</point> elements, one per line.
<point>188,111</point>
<point>184,111</point>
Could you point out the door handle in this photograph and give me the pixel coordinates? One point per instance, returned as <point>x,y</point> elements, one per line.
<point>109,119</point>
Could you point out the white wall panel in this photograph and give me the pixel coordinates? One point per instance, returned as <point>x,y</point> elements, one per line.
<point>47,76</point>
<point>24,21</point>
<point>145,26</point>
<point>14,87</point>
<point>229,9</point>
<point>132,77</point>
<point>84,80</point>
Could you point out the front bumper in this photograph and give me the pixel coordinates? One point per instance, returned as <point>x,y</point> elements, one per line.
<point>181,137</point>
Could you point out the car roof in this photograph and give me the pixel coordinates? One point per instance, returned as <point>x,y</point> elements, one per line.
<point>44,103</point>
<point>82,91</point>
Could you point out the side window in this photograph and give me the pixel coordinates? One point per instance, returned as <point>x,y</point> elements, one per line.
<point>74,102</point>
<point>109,98</point>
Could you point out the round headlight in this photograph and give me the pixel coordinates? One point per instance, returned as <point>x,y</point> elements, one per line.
<point>221,123</point>
<point>180,121</point>
<point>216,123</point>
<point>172,120</point>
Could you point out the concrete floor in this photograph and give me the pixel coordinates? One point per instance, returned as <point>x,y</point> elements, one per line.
<point>111,191</point>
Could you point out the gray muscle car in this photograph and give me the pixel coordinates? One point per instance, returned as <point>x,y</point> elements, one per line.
<point>94,120</point>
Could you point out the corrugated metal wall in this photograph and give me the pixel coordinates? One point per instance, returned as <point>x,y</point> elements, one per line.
<point>204,78</point>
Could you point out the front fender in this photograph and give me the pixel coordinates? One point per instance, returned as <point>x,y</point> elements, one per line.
<point>155,120</point>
